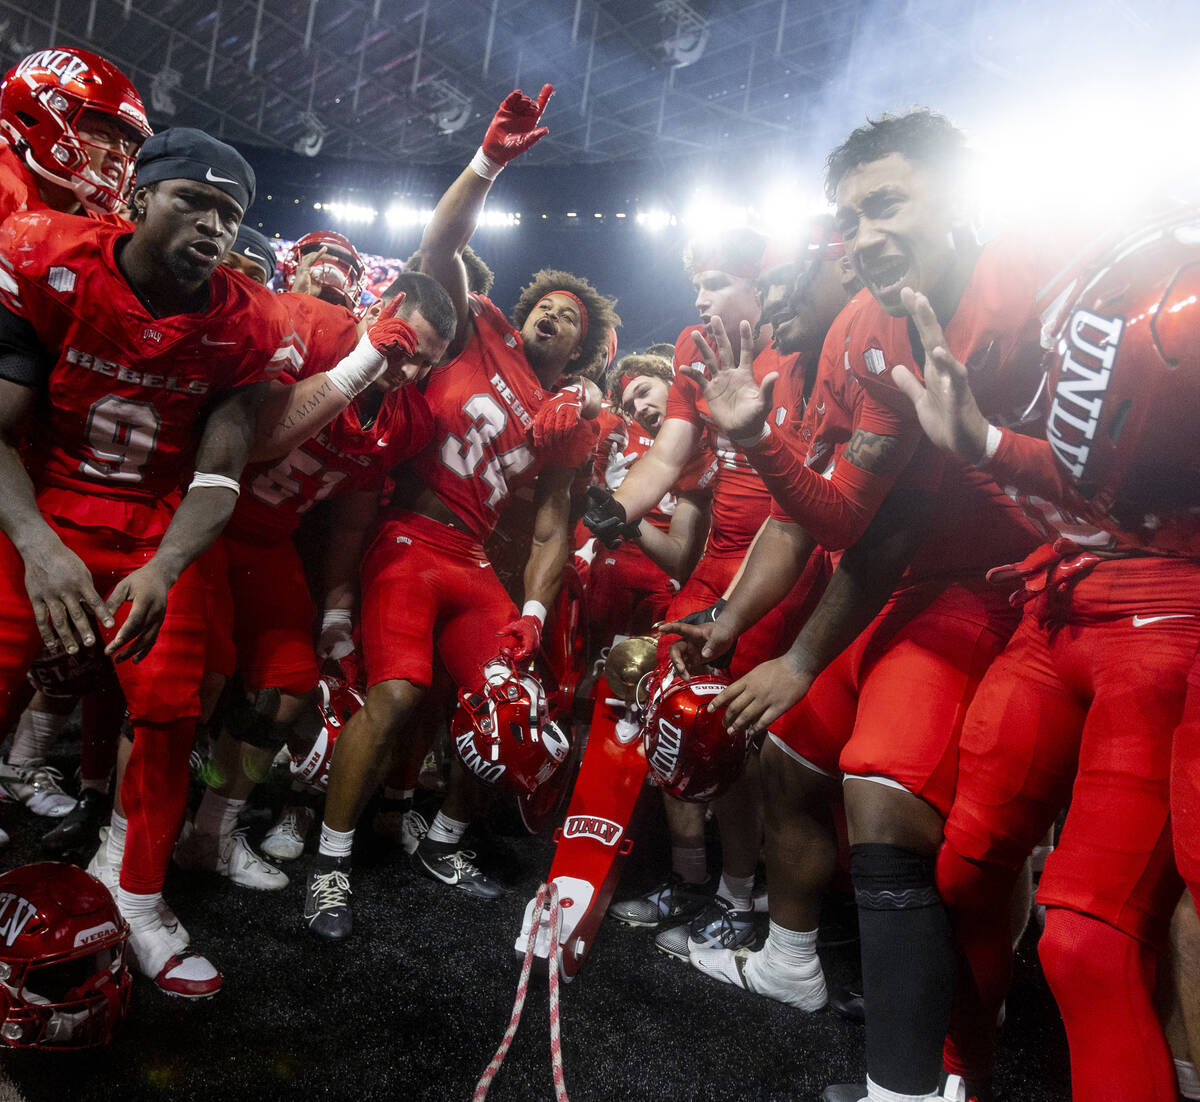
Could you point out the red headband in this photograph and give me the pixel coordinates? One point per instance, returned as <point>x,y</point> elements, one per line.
<point>583,314</point>
<point>625,381</point>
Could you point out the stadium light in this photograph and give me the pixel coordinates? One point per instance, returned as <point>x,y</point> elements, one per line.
<point>351,212</point>
<point>655,219</point>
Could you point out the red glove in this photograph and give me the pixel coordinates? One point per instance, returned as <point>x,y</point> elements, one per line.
<point>391,336</point>
<point>520,638</point>
<point>556,420</point>
<point>515,126</point>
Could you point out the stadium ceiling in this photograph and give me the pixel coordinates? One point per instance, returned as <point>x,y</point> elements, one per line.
<point>415,81</point>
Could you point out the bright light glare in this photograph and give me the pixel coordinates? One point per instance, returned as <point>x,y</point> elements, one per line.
<point>400,215</point>
<point>1096,153</point>
<point>351,212</point>
<point>710,214</point>
<point>655,219</point>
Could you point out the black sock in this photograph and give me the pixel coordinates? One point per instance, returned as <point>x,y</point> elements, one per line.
<point>907,963</point>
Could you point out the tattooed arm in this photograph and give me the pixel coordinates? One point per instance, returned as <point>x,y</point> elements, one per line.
<point>292,414</point>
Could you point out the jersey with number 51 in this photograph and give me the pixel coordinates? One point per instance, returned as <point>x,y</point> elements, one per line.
<point>482,402</point>
<point>128,391</point>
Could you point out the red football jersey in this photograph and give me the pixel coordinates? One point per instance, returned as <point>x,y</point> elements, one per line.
<point>343,457</point>
<point>482,402</point>
<point>740,500</point>
<point>127,391</point>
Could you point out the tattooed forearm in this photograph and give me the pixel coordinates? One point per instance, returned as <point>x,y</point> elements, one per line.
<point>306,408</point>
<point>872,452</point>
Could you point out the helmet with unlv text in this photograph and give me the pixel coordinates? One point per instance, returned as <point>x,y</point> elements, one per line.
<point>336,703</point>
<point>503,733</point>
<point>64,983</point>
<point>339,277</point>
<point>1124,386</point>
<point>43,102</point>
<point>687,747</point>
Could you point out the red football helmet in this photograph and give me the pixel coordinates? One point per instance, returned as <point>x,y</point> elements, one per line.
<point>63,978</point>
<point>42,103</point>
<point>341,275</point>
<point>59,673</point>
<point>336,703</point>
<point>1124,385</point>
<point>504,733</point>
<point>688,749</point>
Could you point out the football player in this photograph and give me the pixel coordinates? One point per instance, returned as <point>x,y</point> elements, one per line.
<point>724,273</point>
<point>130,335</point>
<point>73,124</point>
<point>1080,704</point>
<point>427,583</point>
<point>267,625</point>
<point>252,255</point>
<point>905,221</point>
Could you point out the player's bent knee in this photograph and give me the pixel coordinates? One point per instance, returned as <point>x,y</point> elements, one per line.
<point>389,706</point>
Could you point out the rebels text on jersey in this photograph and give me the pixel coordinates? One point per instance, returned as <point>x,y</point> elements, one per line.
<point>482,402</point>
<point>127,390</point>
<point>740,500</point>
<point>343,457</point>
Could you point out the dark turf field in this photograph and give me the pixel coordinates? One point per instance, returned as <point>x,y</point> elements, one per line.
<point>415,1003</point>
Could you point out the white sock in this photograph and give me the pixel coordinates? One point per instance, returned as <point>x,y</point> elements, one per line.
<point>115,850</point>
<point>789,950</point>
<point>140,911</point>
<point>217,815</point>
<point>335,843</point>
<point>35,736</point>
<point>445,830</point>
<point>1189,1081</point>
<point>876,1093</point>
<point>690,862</point>
<point>737,890</point>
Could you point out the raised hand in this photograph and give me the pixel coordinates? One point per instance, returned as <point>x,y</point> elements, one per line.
<point>514,128</point>
<point>736,401</point>
<point>64,598</point>
<point>302,282</point>
<point>944,403</point>
<point>558,417</point>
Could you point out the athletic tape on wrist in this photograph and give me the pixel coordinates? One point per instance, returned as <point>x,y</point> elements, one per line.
<point>483,165</point>
<point>994,436</point>
<point>335,616</point>
<point>535,609</point>
<point>219,480</point>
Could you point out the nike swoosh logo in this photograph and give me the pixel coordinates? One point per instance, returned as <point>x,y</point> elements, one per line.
<point>208,175</point>
<point>1142,621</point>
<point>216,344</point>
<point>256,256</point>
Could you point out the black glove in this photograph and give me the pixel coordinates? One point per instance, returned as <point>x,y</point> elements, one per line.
<point>605,517</point>
<point>707,616</point>
<point>704,615</point>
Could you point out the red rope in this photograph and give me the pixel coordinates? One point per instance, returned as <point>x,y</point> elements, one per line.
<point>547,894</point>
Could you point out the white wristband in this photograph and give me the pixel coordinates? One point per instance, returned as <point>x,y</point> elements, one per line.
<point>483,165</point>
<point>535,609</point>
<point>218,480</point>
<point>757,438</point>
<point>358,369</point>
<point>336,617</point>
<point>994,436</point>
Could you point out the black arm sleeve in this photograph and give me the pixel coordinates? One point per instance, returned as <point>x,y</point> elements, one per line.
<point>23,358</point>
